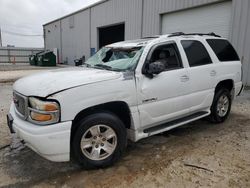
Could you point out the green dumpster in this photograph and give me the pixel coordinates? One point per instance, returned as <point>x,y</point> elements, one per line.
<point>46,59</point>
<point>33,58</point>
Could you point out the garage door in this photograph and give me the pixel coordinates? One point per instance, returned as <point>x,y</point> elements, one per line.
<point>211,18</point>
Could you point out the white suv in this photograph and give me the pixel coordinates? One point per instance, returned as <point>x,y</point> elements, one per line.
<point>127,90</point>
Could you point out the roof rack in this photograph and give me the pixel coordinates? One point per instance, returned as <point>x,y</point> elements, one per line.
<point>151,37</point>
<point>187,34</point>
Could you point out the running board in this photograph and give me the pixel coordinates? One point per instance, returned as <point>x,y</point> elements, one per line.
<point>176,123</point>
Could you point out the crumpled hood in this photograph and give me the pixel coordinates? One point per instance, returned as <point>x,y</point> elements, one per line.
<point>49,82</point>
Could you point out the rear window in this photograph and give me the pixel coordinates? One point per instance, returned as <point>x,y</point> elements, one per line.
<point>196,53</point>
<point>223,50</point>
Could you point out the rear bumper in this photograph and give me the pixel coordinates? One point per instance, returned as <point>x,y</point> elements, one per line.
<point>51,142</point>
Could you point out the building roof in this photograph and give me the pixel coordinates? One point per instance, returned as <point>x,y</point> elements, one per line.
<point>85,8</point>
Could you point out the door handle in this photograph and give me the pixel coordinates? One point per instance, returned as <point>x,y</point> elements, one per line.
<point>184,78</point>
<point>213,73</point>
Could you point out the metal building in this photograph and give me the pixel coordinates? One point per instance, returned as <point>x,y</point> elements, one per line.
<point>85,31</point>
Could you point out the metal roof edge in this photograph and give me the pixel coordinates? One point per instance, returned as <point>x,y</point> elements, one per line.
<point>73,13</point>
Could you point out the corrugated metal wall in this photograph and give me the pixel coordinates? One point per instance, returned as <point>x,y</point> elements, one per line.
<point>200,19</point>
<point>52,35</point>
<point>142,18</point>
<point>75,36</point>
<point>240,35</point>
<point>117,11</point>
<point>240,26</point>
<point>154,8</point>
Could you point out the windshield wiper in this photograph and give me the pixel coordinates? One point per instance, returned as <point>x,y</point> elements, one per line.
<point>106,67</point>
<point>86,65</point>
<point>103,66</point>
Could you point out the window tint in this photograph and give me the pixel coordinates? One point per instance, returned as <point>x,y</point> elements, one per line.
<point>168,55</point>
<point>196,53</point>
<point>223,49</point>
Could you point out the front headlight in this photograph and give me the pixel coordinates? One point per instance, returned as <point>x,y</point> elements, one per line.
<point>43,112</point>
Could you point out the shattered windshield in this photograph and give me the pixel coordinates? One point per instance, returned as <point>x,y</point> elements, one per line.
<point>115,59</point>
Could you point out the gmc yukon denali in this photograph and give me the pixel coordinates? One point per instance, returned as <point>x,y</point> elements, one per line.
<point>127,91</point>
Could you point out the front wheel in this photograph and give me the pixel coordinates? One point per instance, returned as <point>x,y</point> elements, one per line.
<point>221,106</point>
<point>99,140</point>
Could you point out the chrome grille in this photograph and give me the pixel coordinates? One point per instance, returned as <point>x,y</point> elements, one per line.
<point>20,104</point>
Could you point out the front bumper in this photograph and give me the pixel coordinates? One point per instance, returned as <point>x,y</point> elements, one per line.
<point>51,142</point>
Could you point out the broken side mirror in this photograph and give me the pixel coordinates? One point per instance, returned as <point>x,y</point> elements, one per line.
<point>153,69</point>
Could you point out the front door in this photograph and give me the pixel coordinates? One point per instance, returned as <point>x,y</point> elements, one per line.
<point>162,98</point>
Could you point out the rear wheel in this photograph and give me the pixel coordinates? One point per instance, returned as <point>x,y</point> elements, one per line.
<point>221,106</point>
<point>99,140</point>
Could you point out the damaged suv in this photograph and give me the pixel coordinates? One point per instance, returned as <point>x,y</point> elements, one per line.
<point>127,90</point>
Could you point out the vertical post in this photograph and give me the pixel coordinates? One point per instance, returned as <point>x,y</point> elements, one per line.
<point>90,32</point>
<point>61,45</point>
<point>1,38</point>
<point>44,37</point>
<point>9,55</point>
<point>142,17</point>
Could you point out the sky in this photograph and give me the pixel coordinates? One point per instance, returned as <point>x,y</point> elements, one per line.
<point>21,18</point>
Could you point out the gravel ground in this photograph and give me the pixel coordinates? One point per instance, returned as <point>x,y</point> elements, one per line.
<point>24,66</point>
<point>11,76</point>
<point>199,154</point>
<point>12,72</point>
<point>21,66</point>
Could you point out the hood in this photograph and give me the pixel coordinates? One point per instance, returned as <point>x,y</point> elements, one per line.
<point>49,82</point>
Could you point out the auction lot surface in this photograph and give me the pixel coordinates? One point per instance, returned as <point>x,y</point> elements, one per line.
<point>220,155</point>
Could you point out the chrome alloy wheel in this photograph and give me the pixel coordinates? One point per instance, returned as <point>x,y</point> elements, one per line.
<point>222,105</point>
<point>98,142</point>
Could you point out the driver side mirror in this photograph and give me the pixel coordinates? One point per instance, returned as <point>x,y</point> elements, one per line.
<point>154,68</point>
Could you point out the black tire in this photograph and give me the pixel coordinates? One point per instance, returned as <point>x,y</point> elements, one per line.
<point>102,118</point>
<point>214,116</point>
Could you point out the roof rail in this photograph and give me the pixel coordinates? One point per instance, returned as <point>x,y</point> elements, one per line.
<point>149,37</point>
<point>187,34</point>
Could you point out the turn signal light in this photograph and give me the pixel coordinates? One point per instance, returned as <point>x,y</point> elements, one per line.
<point>50,107</point>
<point>40,117</point>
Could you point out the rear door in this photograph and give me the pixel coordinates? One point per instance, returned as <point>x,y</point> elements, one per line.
<point>202,74</point>
<point>228,64</point>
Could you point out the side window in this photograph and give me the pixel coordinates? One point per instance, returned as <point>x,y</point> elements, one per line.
<point>168,54</point>
<point>196,53</point>
<point>223,50</point>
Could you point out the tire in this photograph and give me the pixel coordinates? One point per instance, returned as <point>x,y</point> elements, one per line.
<point>219,116</point>
<point>99,141</point>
